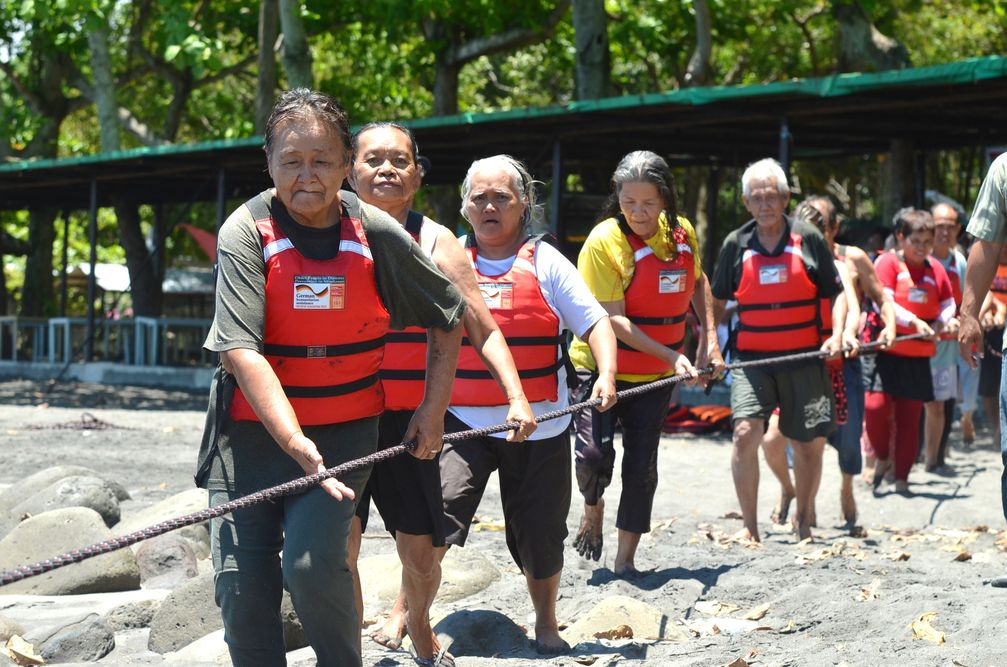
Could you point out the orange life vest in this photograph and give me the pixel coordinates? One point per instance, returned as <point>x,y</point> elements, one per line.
<point>530,327</point>
<point>325,324</point>
<point>778,305</point>
<point>999,286</point>
<point>404,368</point>
<point>922,300</point>
<point>657,300</point>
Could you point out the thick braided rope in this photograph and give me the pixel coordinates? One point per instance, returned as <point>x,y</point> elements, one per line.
<point>308,481</point>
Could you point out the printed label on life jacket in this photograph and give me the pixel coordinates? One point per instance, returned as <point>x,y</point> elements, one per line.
<point>498,296</point>
<point>671,282</point>
<point>773,275</point>
<point>319,292</point>
<point>917,295</point>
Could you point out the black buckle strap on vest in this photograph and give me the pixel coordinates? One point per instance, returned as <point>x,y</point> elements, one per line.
<point>464,374</point>
<point>322,351</point>
<point>658,320</point>
<point>393,374</point>
<point>778,306</point>
<point>814,322</point>
<point>676,346</point>
<point>414,223</point>
<point>328,391</point>
<point>525,341</point>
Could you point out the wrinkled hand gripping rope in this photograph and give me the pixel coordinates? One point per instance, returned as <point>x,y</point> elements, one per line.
<point>304,483</point>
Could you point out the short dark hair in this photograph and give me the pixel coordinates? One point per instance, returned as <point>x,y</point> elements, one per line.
<point>384,124</point>
<point>910,220</point>
<point>305,103</point>
<point>831,219</point>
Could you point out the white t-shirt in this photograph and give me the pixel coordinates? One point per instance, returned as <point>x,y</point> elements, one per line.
<point>577,309</point>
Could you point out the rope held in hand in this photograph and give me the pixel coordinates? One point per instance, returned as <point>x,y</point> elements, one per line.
<point>304,483</point>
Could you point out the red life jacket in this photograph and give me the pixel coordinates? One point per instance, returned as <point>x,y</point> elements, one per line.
<point>404,368</point>
<point>657,300</point>
<point>530,327</point>
<point>778,305</point>
<point>325,325</point>
<point>922,300</point>
<point>999,286</point>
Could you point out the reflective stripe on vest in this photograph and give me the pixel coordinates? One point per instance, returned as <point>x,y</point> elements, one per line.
<point>778,305</point>
<point>404,368</point>
<point>324,326</point>
<point>530,327</point>
<point>656,300</point>
<point>922,300</point>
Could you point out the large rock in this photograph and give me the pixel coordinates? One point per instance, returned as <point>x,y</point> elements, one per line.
<point>8,629</point>
<point>646,621</point>
<point>480,632</point>
<point>180,504</point>
<point>166,561</point>
<point>132,615</point>
<point>30,485</point>
<point>55,533</point>
<point>85,640</point>
<point>208,650</point>
<point>74,491</point>
<point>464,572</point>
<point>190,612</point>
<point>187,614</point>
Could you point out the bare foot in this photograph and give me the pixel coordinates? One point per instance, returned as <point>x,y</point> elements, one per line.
<point>745,535</point>
<point>847,502</point>
<point>625,570</point>
<point>782,509</point>
<point>428,646</point>
<point>803,529</point>
<point>867,474</point>
<point>548,641</point>
<point>968,429</point>
<point>588,541</point>
<point>394,629</point>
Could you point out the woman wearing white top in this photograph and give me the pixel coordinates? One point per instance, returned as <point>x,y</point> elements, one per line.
<point>535,294</point>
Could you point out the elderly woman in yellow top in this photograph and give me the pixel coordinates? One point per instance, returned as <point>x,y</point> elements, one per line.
<point>642,263</point>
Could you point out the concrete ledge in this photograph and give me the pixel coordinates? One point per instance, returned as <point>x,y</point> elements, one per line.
<point>168,377</point>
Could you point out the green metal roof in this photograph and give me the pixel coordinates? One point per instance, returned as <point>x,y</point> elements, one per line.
<point>942,106</point>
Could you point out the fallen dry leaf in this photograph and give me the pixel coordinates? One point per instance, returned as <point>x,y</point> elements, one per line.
<point>618,632</point>
<point>740,662</point>
<point>21,652</point>
<point>756,613</point>
<point>791,627</point>
<point>586,660</point>
<point>981,528</point>
<point>897,555</point>
<point>962,556</point>
<point>752,654</point>
<point>870,592</point>
<point>733,515</point>
<point>481,523</point>
<point>716,607</point>
<point>922,628</point>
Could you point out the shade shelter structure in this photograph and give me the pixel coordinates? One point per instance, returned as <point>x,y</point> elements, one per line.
<point>940,107</point>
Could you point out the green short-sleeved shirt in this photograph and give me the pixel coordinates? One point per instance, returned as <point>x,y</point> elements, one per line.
<point>413,290</point>
<point>989,216</point>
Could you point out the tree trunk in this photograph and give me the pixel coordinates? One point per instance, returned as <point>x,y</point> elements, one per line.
<point>37,294</point>
<point>698,71</point>
<point>898,180</point>
<point>296,53</point>
<point>860,47</point>
<point>104,88</point>
<point>266,89</point>
<point>590,26</point>
<point>144,286</point>
<point>446,87</point>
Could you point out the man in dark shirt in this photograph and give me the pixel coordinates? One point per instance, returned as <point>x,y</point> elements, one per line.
<point>778,270</point>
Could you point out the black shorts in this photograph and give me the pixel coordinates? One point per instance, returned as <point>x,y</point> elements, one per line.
<point>989,367</point>
<point>405,489</point>
<point>904,377</point>
<point>535,483</point>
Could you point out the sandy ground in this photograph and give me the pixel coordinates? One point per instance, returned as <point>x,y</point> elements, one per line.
<point>838,600</point>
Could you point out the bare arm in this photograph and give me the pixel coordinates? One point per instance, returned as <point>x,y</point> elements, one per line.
<point>427,424</point>
<point>601,339</point>
<point>259,384</point>
<point>861,267</point>
<point>851,323</point>
<point>979,272</point>
<point>484,334</point>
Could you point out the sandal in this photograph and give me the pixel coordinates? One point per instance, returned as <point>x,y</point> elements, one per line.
<point>390,643</point>
<point>442,659</point>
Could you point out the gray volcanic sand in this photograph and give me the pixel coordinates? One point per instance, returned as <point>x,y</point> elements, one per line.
<point>815,614</point>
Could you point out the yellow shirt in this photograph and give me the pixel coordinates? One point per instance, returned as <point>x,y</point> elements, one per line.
<point>606,264</point>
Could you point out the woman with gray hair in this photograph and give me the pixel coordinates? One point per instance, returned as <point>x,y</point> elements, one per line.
<point>535,295</point>
<point>642,262</point>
